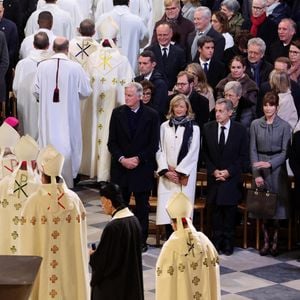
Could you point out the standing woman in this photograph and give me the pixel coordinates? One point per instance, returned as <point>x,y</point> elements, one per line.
<point>177,157</point>
<point>219,22</point>
<point>269,137</point>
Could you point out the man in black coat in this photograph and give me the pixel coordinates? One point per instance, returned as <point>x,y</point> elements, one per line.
<point>202,17</point>
<point>214,69</point>
<point>4,63</point>
<point>133,142</point>
<point>170,59</point>
<point>147,64</point>
<point>225,147</point>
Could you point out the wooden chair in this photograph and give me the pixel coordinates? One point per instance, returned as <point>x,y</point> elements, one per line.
<point>200,200</point>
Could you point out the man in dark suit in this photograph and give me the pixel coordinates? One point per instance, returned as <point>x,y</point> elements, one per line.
<point>202,17</point>
<point>133,142</point>
<point>170,59</point>
<point>225,147</point>
<point>147,63</point>
<point>199,104</point>
<point>213,68</point>
<point>286,32</point>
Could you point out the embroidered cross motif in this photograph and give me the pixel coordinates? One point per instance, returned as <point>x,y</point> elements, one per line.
<point>5,203</point>
<point>105,61</point>
<point>170,271</point>
<point>43,220</point>
<point>33,220</point>
<point>101,110</point>
<point>100,126</point>
<point>69,218</point>
<point>82,50</point>
<point>22,220</point>
<point>53,278</point>
<point>15,220</point>
<point>20,189</point>
<point>56,220</point>
<point>122,82</point>
<point>190,245</point>
<point>99,141</point>
<point>102,96</point>
<point>17,206</point>
<point>195,280</point>
<point>114,81</point>
<point>181,267</point>
<point>54,249</point>
<point>14,235</point>
<point>215,261</point>
<point>83,215</point>
<point>197,296</point>
<point>158,271</point>
<point>205,262</point>
<point>53,293</point>
<point>194,265</point>
<point>102,80</point>
<point>54,264</point>
<point>78,218</point>
<point>13,249</point>
<point>55,234</point>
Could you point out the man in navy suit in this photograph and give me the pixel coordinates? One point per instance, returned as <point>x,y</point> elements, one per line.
<point>202,17</point>
<point>133,143</point>
<point>170,58</point>
<point>225,147</point>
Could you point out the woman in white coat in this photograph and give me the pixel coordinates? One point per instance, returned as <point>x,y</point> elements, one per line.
<point>177,156</point>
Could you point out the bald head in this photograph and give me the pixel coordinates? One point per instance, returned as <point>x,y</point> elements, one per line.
<point>61,45</point>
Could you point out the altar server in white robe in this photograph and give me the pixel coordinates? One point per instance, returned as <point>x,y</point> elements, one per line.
<point>14,191</point>
<point>133,33</point>
<point>9,137</point>
<point>69,6</point>
<point>177,156</point>
<point>25,73</point>
<point>59,85</point>
<point>141,8</point>
<point>54,228</point>
<point>109,72</point>
<point>188,264</point>
<point>62,21</point>
<point>80,50</point>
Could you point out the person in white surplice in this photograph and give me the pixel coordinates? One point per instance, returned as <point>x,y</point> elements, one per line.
<point>109,72</point>
<point>59,85</point>
<point>133,33</point>
<point>54,227</point>
<point>25,73</point>
<point>177,156</point>
<point>14,192</point>
<point>62,22</point>
<point>188,264</point>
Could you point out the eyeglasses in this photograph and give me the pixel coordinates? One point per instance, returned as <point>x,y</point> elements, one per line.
<point>257,8</point>
<point>294,52</point>
<point>182,83</point>
<point>171,8</point>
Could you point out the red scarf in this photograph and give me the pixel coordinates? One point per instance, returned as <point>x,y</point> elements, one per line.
<point>256,22</point>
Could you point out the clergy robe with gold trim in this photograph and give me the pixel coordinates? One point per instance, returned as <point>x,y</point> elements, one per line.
<point>56,231</point>
<point>188,268</point>
<point>14,191</point>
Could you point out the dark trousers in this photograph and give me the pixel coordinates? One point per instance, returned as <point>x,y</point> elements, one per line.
<point>141,210</point>
<point>223,225</point>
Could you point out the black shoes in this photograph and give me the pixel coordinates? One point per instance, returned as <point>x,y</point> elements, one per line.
<point>144,248</point>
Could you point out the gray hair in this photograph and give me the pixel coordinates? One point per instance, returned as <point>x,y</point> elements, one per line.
<point>232,5</point>
<point>205,11</point>
<point>227,102</point>
<point>138,88</point>
<point>291,22</point>
<point>235,86</point>
<point>258,42</point>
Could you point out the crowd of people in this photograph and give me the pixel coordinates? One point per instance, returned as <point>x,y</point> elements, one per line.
<point>143,93</point>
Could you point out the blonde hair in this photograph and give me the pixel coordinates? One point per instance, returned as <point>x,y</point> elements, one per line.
<point>279,81</point>
<point>175,100</point>
<point>196,70</point>
<point>170,2</point>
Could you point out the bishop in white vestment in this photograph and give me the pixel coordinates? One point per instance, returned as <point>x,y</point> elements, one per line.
<point>14,191</point>
<point>54,227</point>
<point>188,264</point>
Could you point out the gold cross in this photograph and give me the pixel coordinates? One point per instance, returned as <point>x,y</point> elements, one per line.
<point>44,219</point>
<point>53,293</point>
<point>56,220</point>
<point>205,262</point>
<point>197,296</point>
<point>83,215</point>
<point>170,270</point>
<point>5,203</point>
<point>53,278</point>
<point>54,264</point>
<point>102,96</point>
<point>16,220</point>
<point>102,80</point>
<point>195,280</point>
<point>105,61</point>
<point>13,249</point>
<point>78,218</point>
<point>14,235</point>
<point>17,206</point>
<point>194,265</point>
<point>122,81</point>
<point>69,218</point>
<point>55,234</point>
<point>158,271</point>
<point>22,221</point>
<point>100,126</point>
<point>181,267</point>
<point>114,81</point>
<point>54,249</point>
<point>33,220</point>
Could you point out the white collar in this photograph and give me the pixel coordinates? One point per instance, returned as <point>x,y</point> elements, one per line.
<point>227,125</point>
<point>203,61</point>
<point>123,213</point>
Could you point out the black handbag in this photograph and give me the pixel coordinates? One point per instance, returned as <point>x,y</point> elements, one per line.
<point>261,203</point>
